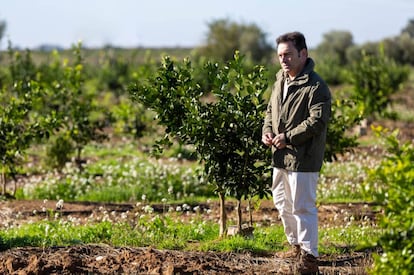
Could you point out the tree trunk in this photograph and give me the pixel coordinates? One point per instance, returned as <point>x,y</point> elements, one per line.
<point>3,182</point>
<point>223,216</point>
<point>250,213</point>
<point>239,216</point>
<point>78,160</point>
<point>15,185</point>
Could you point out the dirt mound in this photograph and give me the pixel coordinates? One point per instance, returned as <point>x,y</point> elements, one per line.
<point>102,259</point>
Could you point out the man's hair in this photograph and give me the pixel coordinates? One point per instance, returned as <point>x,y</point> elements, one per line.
<point>297,38</point>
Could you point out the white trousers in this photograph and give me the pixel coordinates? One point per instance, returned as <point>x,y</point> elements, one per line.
<point>294,195</point>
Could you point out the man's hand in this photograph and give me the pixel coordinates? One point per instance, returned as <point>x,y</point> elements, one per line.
<point>279,141</point>
<point>267,139</point>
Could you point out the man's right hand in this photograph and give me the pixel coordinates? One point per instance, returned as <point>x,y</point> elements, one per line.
<point>267,139</point>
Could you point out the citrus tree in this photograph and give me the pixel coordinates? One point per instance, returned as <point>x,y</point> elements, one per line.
<point>390,184</point>
<point>375,78</point>
<point>20,125</point>
<point>345,116</point>
<point>83,120</point>
<point>224,123</point>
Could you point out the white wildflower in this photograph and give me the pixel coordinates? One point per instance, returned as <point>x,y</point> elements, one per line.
<point>148,209</point>
<point>59,204</point>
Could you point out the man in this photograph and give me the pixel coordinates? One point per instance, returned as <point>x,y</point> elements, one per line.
<point>295,128</point>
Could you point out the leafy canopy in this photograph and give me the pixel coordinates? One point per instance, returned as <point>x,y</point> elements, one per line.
<point>223,123</point>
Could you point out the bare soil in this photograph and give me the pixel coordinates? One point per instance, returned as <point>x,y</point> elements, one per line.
<point>105,259</point>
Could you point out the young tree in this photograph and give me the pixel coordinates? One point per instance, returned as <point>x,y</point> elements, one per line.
<point>345,116</point>
<point>77,106</point>
<point>224,124</point>
<point>391,185</point>
<point>374,79</point>
<point>20,125</point>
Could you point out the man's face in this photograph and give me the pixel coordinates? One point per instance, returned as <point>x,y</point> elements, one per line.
<point>290,59</point>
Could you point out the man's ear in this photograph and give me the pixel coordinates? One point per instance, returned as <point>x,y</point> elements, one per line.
<point>303,52</point>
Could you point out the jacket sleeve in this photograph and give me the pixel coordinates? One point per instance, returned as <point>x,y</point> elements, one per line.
<point>267,125</point>
<point>316,122</point>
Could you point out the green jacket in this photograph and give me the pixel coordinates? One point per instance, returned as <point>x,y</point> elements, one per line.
<point>303,117</point>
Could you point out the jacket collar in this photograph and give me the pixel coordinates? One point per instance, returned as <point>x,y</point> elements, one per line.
<point>301,78</point>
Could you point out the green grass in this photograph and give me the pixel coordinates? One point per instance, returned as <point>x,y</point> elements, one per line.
<point>167,232</point>
<point>348,238</point>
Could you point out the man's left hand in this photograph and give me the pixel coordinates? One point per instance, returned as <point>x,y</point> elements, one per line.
<point>279,141</point>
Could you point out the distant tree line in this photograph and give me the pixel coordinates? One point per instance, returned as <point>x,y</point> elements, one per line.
<point>226,36</point>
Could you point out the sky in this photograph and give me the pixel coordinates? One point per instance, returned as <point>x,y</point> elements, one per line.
<point>184,23</point>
